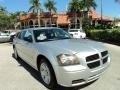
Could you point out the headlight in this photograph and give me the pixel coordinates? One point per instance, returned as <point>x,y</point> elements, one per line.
<point>67,59</point>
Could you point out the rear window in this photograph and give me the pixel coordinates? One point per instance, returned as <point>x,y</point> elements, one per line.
<point>73,30</point>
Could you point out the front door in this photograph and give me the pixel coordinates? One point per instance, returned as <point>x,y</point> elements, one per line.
<point>28,47</point>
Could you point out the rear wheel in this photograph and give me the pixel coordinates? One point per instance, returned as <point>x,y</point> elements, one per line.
<point>47,74</point>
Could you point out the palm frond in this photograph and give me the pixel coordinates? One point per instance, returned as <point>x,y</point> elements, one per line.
<point>35,6</point>
<point>31,9</point>
<point>50,6</point>
<point>74,6</point>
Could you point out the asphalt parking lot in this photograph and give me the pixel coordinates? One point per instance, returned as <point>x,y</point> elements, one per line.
<point>17,75</point>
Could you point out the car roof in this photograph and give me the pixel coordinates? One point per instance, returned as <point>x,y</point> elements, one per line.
<point>39,28</point>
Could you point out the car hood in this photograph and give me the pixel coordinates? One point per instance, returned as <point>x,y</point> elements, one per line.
<point>74,45</point>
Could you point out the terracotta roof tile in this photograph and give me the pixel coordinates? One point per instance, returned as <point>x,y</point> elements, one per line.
<point>98,16</point>
<point>63,19</point>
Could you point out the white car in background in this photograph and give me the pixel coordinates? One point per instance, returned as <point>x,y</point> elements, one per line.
<point>77,33</point>
<point>4,37</point>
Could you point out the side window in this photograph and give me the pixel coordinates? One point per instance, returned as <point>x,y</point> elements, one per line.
<point>27,36</point>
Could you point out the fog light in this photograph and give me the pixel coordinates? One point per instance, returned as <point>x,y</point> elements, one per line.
<point>78,81</point>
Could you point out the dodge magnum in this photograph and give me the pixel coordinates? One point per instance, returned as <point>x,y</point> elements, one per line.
<point>59,58</point>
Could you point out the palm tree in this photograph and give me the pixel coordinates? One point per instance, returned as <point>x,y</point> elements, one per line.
<point>35,8</point>
<point>79,6</point>
<point>89,4</point>
<point>50,6</point>
<point>74,7</point>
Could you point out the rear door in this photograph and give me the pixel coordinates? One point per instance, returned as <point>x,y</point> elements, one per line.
<point>18,42</point>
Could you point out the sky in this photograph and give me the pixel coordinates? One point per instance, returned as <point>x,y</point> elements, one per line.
<point>110,7</point>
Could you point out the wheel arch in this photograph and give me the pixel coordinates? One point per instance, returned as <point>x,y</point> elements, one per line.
<point>39,59</point>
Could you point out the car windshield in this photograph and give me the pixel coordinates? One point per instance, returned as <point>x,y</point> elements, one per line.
<point>50,35</point>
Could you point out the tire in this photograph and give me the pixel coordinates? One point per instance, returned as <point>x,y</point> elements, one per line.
<point>47,74</point>
<point>15,54</point>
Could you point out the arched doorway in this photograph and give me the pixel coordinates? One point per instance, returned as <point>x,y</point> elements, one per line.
<point>36,23</point>
<point>54,22</point>
<point>42,24</point>
<point>22,25</point>
<point>31,23</point>
<point>74,24</point>
<point>48,22</point>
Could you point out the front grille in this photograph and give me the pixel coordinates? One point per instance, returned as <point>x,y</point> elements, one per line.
<point>93,64</point>
<point>94,61</point>
<point>92,57</point>
<point>104,53</point>
<point>105,60</point>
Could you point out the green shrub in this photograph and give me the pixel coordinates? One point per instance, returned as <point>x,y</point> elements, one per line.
<point>106,35</point>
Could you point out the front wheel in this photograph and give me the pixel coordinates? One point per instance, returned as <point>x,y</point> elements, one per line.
<point>47,74</point>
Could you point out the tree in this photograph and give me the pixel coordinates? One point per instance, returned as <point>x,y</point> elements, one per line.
<point>3,10</point>
<point>4,18</point>
<point>50,6</point>
<point>80,6</point>
<point>74,7</point>
<point>9,20</point>
<point>4,21</point>
<point>88,5</point>
<point>35,8</point>
<point>20,13</point>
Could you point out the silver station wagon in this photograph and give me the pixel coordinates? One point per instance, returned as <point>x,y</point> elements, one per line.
<point>59,58</point>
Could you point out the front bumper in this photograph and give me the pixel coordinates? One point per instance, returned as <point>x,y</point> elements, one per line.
<point>71,76</point>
